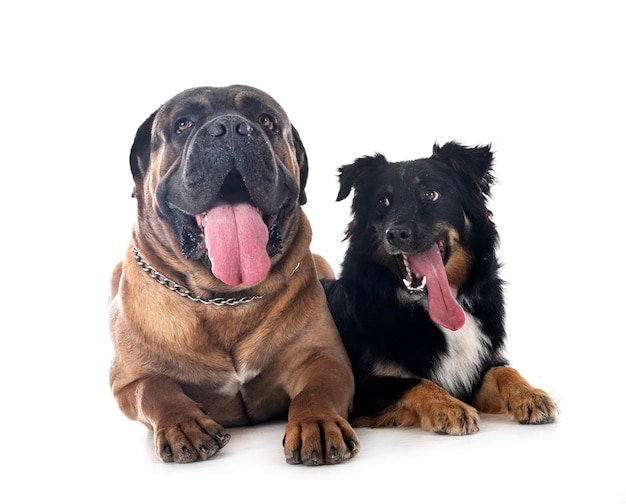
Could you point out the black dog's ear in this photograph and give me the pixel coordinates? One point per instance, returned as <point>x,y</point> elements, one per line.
<point>140,151</point>
<point>303,163</point>
<point>349,175</point>
<point>474,162</point>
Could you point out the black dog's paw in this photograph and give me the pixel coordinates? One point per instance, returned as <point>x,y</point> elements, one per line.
<point>532,406</point>
<point>429,406</point>
<point>454,417</point>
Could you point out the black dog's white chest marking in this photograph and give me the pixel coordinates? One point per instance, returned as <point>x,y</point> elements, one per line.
<point>458,368</point>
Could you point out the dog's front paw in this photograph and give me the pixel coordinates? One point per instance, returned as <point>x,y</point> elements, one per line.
<point>435,410</point>
<point>449,416</point>
<point>189,437</point>
<point>428,406</point>
<point>317,441</point>
<point>532,406</point>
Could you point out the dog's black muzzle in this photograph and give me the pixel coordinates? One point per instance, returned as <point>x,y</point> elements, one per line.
<point>227,147</point>
<point>227,160</point>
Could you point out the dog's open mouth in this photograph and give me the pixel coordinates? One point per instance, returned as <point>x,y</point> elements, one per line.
<point>418,267</point>
<point>237,237</point>
<point>424,273</point>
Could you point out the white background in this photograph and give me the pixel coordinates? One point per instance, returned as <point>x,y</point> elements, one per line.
<point>543,82</point>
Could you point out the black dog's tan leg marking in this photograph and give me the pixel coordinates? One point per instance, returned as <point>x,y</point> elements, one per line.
<point>504,390</point>
<point>429,406</point>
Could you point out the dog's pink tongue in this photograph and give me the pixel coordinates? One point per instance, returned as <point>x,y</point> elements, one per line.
<point>236,238</point>
<point>443,308</point>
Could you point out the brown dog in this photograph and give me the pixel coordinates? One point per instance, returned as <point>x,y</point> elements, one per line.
<point>217,316</point>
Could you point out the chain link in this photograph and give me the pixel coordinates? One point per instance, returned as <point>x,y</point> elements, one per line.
<point>183,291</point>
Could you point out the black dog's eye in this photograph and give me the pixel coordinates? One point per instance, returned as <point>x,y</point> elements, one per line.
<point>267,121</point>
<point>183,125</point>
<point>430,195</point>
<point>384,203</point>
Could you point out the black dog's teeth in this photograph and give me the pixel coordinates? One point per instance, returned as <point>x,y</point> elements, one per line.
<point>412,283</point>
<point>411,287</point>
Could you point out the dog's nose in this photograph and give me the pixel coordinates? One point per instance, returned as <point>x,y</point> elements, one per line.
<point>220,128</point>
<point>217,129</point>
<point>398,235</point>
<point>244,129</point>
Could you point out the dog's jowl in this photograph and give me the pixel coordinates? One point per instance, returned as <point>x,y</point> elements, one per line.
<point>217,316</point>
<point>419,304</point>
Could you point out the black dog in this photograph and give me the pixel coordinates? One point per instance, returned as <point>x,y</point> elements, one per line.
<point>419,304</point>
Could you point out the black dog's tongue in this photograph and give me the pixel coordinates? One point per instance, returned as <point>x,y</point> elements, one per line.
<point>443,308</point>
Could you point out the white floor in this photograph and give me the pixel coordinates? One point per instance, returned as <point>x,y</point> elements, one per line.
<point>87,450</point>
<point>543,82</point>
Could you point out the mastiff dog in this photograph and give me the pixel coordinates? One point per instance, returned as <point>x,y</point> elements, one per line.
<point>217,316</point>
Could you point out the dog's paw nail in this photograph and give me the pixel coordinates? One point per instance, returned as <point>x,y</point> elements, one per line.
<point>352,445</point>
<point>186,451</point>
<point>204,449</point>
<point>297,459</point>
<point>333,452</point>
<point>315,456</point>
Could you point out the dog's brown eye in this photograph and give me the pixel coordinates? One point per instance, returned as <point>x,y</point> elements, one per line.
<point>384,203</point>
<point>431,195</point>
<point>183,125</point>
<point>267,121</point>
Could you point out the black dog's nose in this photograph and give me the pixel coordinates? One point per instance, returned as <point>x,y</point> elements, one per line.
<point>220,128</point>
<point>398,235</point>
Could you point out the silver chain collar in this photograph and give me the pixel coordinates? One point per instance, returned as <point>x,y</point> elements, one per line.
<point>183,291</point>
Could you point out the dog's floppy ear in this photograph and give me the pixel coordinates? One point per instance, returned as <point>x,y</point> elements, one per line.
<point>474,162</point>
<point>349,175</point>
<point>140,151</point>
<point>303,163</point>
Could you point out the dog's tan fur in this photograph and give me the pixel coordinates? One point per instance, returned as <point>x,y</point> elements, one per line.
<point>187,370</point>
<point>505,390</point>
<point>430,407</point>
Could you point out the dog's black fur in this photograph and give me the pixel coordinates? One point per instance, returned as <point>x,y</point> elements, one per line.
<point>401,210</point>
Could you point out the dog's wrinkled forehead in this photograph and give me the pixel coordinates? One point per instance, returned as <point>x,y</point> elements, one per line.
<point>205,103</point>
